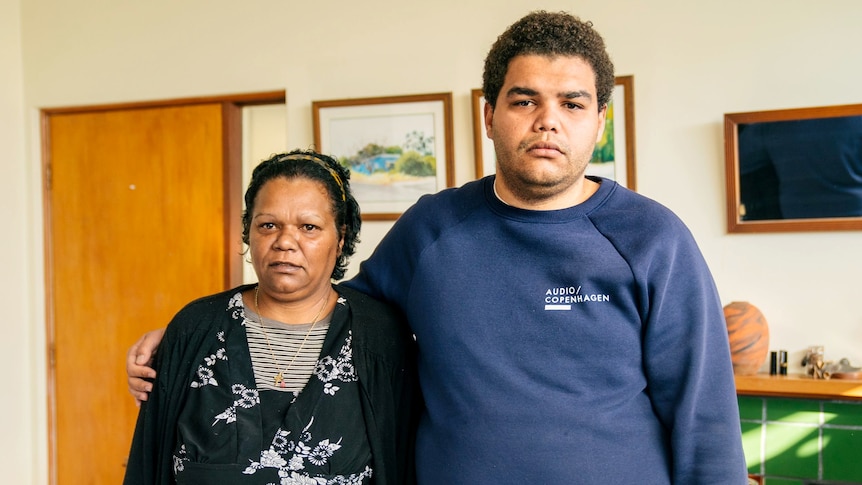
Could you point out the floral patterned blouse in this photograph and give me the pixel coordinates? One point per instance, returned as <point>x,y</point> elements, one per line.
<point>206,421</point>
<point>230,432</point>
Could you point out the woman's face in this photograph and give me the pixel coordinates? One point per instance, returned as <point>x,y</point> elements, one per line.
<point>293,239</point>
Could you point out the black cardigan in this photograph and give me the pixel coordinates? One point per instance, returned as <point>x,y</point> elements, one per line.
<point>384,354</point>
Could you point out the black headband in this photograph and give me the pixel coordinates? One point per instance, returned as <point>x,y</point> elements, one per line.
<point>306,157</point>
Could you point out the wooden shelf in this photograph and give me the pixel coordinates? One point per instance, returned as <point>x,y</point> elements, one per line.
<point>799,386</point>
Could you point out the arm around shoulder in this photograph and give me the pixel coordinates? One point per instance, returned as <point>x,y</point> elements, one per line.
<point>139,361</point>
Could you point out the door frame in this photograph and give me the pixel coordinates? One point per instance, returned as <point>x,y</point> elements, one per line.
<point>232,105</point>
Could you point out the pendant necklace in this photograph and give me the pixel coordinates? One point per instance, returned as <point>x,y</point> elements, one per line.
<point>279,377</point>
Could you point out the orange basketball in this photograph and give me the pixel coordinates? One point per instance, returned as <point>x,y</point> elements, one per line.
<point>748,333</point>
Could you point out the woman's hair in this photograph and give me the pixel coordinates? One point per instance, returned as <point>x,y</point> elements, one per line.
<point>548,34</point>
<point>324,170</point>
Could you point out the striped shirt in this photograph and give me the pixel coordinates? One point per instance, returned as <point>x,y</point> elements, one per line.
<point>285,351</point>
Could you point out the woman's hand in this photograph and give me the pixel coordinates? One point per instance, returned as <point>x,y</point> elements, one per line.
<point>138,361</point>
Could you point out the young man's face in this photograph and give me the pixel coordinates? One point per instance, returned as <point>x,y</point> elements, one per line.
<point>545,126</point>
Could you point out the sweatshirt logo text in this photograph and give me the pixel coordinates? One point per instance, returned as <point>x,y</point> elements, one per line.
<point>563,297</point>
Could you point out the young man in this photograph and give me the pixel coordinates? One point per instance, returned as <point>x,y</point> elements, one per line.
<point>569,330</point>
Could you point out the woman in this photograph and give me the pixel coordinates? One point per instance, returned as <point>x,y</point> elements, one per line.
<point>291,380</point>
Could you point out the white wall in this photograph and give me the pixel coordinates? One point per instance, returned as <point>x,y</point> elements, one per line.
<point>21,355</point>
<point>692,62</point>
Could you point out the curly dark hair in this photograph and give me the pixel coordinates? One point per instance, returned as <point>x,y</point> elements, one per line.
<point>324,170</point>
<point>548,34</point>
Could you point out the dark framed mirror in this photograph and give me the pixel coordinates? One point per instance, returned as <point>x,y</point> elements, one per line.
<point>794,169</point>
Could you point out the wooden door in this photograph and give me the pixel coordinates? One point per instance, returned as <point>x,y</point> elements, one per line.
<point>136,227</point>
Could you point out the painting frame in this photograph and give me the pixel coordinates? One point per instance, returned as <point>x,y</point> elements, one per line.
<point>623,130</point>
<point>483,148</point>
<point>735,136</point>
<point>353,130</point>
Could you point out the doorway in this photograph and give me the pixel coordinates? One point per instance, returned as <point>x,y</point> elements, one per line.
<point>142,215</point>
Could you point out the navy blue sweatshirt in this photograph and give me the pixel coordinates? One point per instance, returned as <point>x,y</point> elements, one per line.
<point>583,345</point>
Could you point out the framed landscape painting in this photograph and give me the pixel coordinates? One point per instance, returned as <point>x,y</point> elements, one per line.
<point>397,148</point>
<point>614,156</point>
<point>483,147</point>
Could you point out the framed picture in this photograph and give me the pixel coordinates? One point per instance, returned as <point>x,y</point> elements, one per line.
<point>614,156</point>
<point>397,148</point>
<point>794,169</point>
<point>483,147</point>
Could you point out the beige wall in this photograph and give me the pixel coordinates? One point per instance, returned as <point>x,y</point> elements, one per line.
<point>692,62</point>
<point>21,407</point>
